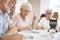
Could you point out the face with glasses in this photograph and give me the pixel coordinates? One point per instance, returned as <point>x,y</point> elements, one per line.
<point>10,6</point>
<point>48,14</point>
<point>25,12</point>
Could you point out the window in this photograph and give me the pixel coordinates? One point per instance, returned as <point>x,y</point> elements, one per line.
<point>55,5</point>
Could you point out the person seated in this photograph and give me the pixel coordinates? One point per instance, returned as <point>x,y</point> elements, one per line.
<point>22,19</point>
<point>44,22</point>
<point>8,30</point>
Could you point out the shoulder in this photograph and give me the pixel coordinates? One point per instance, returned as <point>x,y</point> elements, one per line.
<point>42,19</point>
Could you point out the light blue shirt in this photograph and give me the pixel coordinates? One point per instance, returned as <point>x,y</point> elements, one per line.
<point>4,23</point>
<point>57,36</point>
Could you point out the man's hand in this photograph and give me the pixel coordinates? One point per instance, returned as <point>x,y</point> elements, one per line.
<point>38,27</point>
<point>28,28</point>
<point>12,30</point>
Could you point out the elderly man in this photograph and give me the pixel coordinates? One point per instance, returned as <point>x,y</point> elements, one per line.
<point>22,20</point>
<point>44,22</point>
<point>8,31</point>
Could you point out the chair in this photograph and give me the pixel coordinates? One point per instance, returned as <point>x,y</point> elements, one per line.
<point>55,15</point>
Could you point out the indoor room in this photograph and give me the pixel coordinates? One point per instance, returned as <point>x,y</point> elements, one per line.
<point>29,19</point>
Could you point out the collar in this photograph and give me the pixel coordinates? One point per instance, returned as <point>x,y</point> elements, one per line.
<point>1,11</point>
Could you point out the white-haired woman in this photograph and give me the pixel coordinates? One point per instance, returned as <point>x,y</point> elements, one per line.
<point>22,21</point>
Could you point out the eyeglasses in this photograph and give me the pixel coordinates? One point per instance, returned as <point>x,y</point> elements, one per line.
<point>48,13</point>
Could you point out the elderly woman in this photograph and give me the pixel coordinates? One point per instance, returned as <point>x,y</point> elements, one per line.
<point>44,22</point>
<point>22,21</point>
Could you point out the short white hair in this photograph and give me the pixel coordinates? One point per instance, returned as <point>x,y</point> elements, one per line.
<point>48,10</point>
<point>26,5</point>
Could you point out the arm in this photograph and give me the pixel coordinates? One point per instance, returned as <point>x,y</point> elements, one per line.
<point>38,28</point>
<point>24,28</point>
<point>40,25</point>
<point>11,27</point>
<point>12,30</point>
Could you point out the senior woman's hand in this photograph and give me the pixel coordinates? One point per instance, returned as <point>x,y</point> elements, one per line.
<point>28,28</point>
<point>24,28</point>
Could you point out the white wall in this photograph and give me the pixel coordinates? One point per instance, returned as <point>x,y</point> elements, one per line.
<point>17,10</point>
<point>44,5</point>
<point>55,5</point>
<point>36,8</point>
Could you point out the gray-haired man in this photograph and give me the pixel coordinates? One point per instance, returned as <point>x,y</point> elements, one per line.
<point>7,27</point>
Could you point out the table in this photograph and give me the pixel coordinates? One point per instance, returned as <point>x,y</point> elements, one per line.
<point>35,35</point>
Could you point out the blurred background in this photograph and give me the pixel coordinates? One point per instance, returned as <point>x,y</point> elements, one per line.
<point>39,6</point>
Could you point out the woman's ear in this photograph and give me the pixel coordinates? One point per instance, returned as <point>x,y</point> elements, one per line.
<point>21,9</point>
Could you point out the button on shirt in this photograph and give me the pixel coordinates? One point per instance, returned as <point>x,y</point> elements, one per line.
<point>4,23</point>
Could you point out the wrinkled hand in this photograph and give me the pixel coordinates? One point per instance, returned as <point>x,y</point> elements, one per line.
<point>28,28</point>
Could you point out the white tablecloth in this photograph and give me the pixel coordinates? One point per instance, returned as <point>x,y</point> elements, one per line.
<point>36,35</point>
